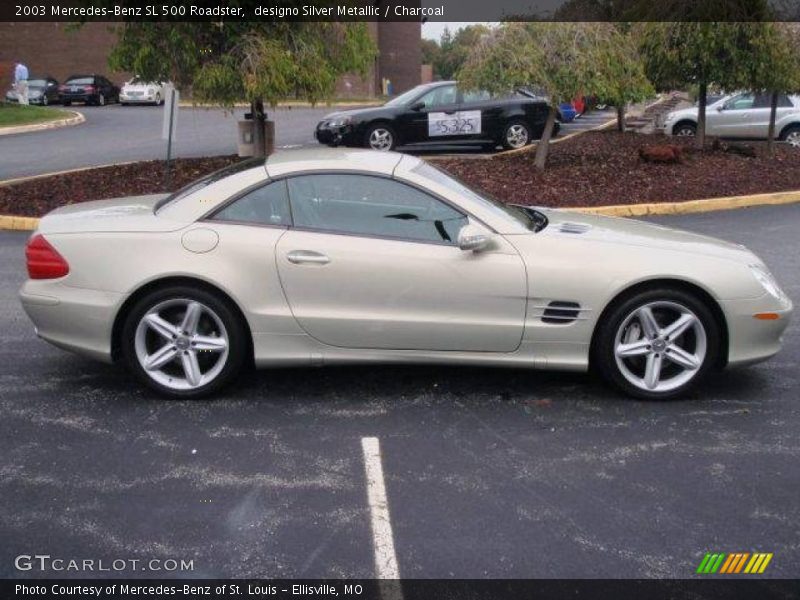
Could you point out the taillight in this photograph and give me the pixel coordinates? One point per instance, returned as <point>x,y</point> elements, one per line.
<point>44,262</point>
<point>63,88</point>
<point>89,89</point>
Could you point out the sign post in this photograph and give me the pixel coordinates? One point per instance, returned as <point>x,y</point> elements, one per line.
<point>170,125</point>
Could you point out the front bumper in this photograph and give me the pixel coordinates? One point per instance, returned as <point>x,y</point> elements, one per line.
<point>752,340</point>
<point>343,135</point>
<point>75,319</point>
<point>137,99</point>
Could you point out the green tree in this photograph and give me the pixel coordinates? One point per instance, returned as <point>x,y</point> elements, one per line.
<point>678,54</point>
<point>261,62</point>
<point>454,48</point>
<point>562,59</point>
<point>623,78</point>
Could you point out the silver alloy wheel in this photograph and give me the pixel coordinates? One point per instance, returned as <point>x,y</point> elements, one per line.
<point>44,99</point>
<point>181,344</point>
<point>101,100</point>
<point>793,138</point>
<point>381,139</point>
<point>685,131</point>
<point>660,346</point>
<point>517,135</point>
<point>158,99</point>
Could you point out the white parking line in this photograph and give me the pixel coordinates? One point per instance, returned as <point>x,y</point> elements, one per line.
<point>382,537</point>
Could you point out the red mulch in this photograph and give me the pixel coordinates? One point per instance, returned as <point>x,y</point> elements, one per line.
<point>601,168</point>
<point>36,197</point>
<point>593,169</point>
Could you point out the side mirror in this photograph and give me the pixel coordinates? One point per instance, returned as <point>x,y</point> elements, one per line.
<point>472,238</point>
<point>417,106</point>
<point>720,108</point>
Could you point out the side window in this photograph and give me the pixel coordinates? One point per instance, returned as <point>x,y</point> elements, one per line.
<point>374,206</point>
<point>267,205</point>
<point>441,96</point>
<point>476,96</point>
<point>740,102</point>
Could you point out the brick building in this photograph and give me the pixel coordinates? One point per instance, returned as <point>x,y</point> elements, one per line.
<point>52,49</point>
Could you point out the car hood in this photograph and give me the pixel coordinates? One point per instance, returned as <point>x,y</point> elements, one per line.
<point>132,213</point>
<point>634,233</point>
<point>355,112</point>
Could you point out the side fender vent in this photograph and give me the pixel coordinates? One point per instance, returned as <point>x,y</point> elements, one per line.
<point>561,312</point>
<point>574,227</point>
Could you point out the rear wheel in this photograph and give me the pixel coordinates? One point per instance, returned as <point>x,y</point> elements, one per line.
<point>516,134</point>
<point>184,342</point>
<point>657,344</point>
<point>791,135</point>
<point>381,137</point>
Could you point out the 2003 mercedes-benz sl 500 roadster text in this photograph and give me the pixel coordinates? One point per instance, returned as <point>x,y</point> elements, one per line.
<point>355,256</point>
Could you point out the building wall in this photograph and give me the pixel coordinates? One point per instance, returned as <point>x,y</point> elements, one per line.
<point>49,49</point>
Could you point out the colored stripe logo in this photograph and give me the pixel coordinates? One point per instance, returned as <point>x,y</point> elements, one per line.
<point>737,562</point>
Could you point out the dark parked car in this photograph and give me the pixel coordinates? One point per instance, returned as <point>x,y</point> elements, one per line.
<point>89,89</point>
<point>438,113</point>
<point>41,90</point>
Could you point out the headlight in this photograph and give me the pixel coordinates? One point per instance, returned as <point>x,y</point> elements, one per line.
<point>670,116</point>
<point>150,91</point>
<point>767,281</point>
<point>339,121</point>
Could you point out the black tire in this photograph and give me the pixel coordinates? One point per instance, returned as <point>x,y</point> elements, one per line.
<point>158,99</point>
<point>603,347</point>
<point>45,101</point>
<point>376,127</point>
<point>101,100</point>
<point>238,350</point>
<point>512,126</point>
<point>791,134</point>
<point>685,129</point>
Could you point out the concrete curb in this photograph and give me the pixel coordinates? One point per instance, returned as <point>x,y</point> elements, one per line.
<point>14,223</point>
<point>690,206</point>
<point>76,119</point>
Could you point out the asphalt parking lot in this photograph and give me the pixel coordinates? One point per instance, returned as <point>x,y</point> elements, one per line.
<point>488,473</point>
<point>115,133</point>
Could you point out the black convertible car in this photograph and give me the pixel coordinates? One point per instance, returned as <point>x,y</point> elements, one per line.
<point>439,113</point>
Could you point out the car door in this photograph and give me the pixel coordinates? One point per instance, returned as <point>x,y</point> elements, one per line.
<point>482,114</point>
<point>432,117</point>
<point>374,263</point>
<point>734,118</point>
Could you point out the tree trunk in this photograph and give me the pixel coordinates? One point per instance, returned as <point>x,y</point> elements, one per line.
<point>700,139</point>
<point>544,144</point>
<point>773,111</point>
<point>259,117</point>
<point>621,118</point>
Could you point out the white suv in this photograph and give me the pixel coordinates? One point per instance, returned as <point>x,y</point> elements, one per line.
<point>743,115</point>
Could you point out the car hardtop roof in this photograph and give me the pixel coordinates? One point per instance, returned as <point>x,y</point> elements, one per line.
<point>333,159</point>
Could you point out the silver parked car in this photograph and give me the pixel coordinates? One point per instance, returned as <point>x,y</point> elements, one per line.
<point>743,115</point>
<point>319,257</point>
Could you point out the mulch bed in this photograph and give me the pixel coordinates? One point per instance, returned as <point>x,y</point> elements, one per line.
<point>603,167</point>
<point>593,169</point>
<point>36,197</point>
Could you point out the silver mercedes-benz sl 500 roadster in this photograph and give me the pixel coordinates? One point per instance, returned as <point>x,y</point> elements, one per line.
<point>350,256</point>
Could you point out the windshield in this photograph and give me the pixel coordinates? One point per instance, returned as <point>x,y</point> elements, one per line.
<point>406,97</point>
<point>475,193</point>
<point>199,184</point>
<point>36,83</point>
<point>80,81</point>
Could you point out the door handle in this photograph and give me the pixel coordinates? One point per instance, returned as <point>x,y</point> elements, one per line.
<point>299,257</point>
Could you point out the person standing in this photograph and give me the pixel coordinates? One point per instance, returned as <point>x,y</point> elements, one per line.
<point>21,83</point>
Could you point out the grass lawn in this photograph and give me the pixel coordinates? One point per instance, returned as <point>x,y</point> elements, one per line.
<point>12,115</point>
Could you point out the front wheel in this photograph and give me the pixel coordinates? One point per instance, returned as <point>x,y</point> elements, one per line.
<point>791,135</point>
<point>381,137</point>
<point>516,134</point>
<point>657,344</point>
<point>685,129</point>
<point>101,100</point>
<point>184,342</point>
